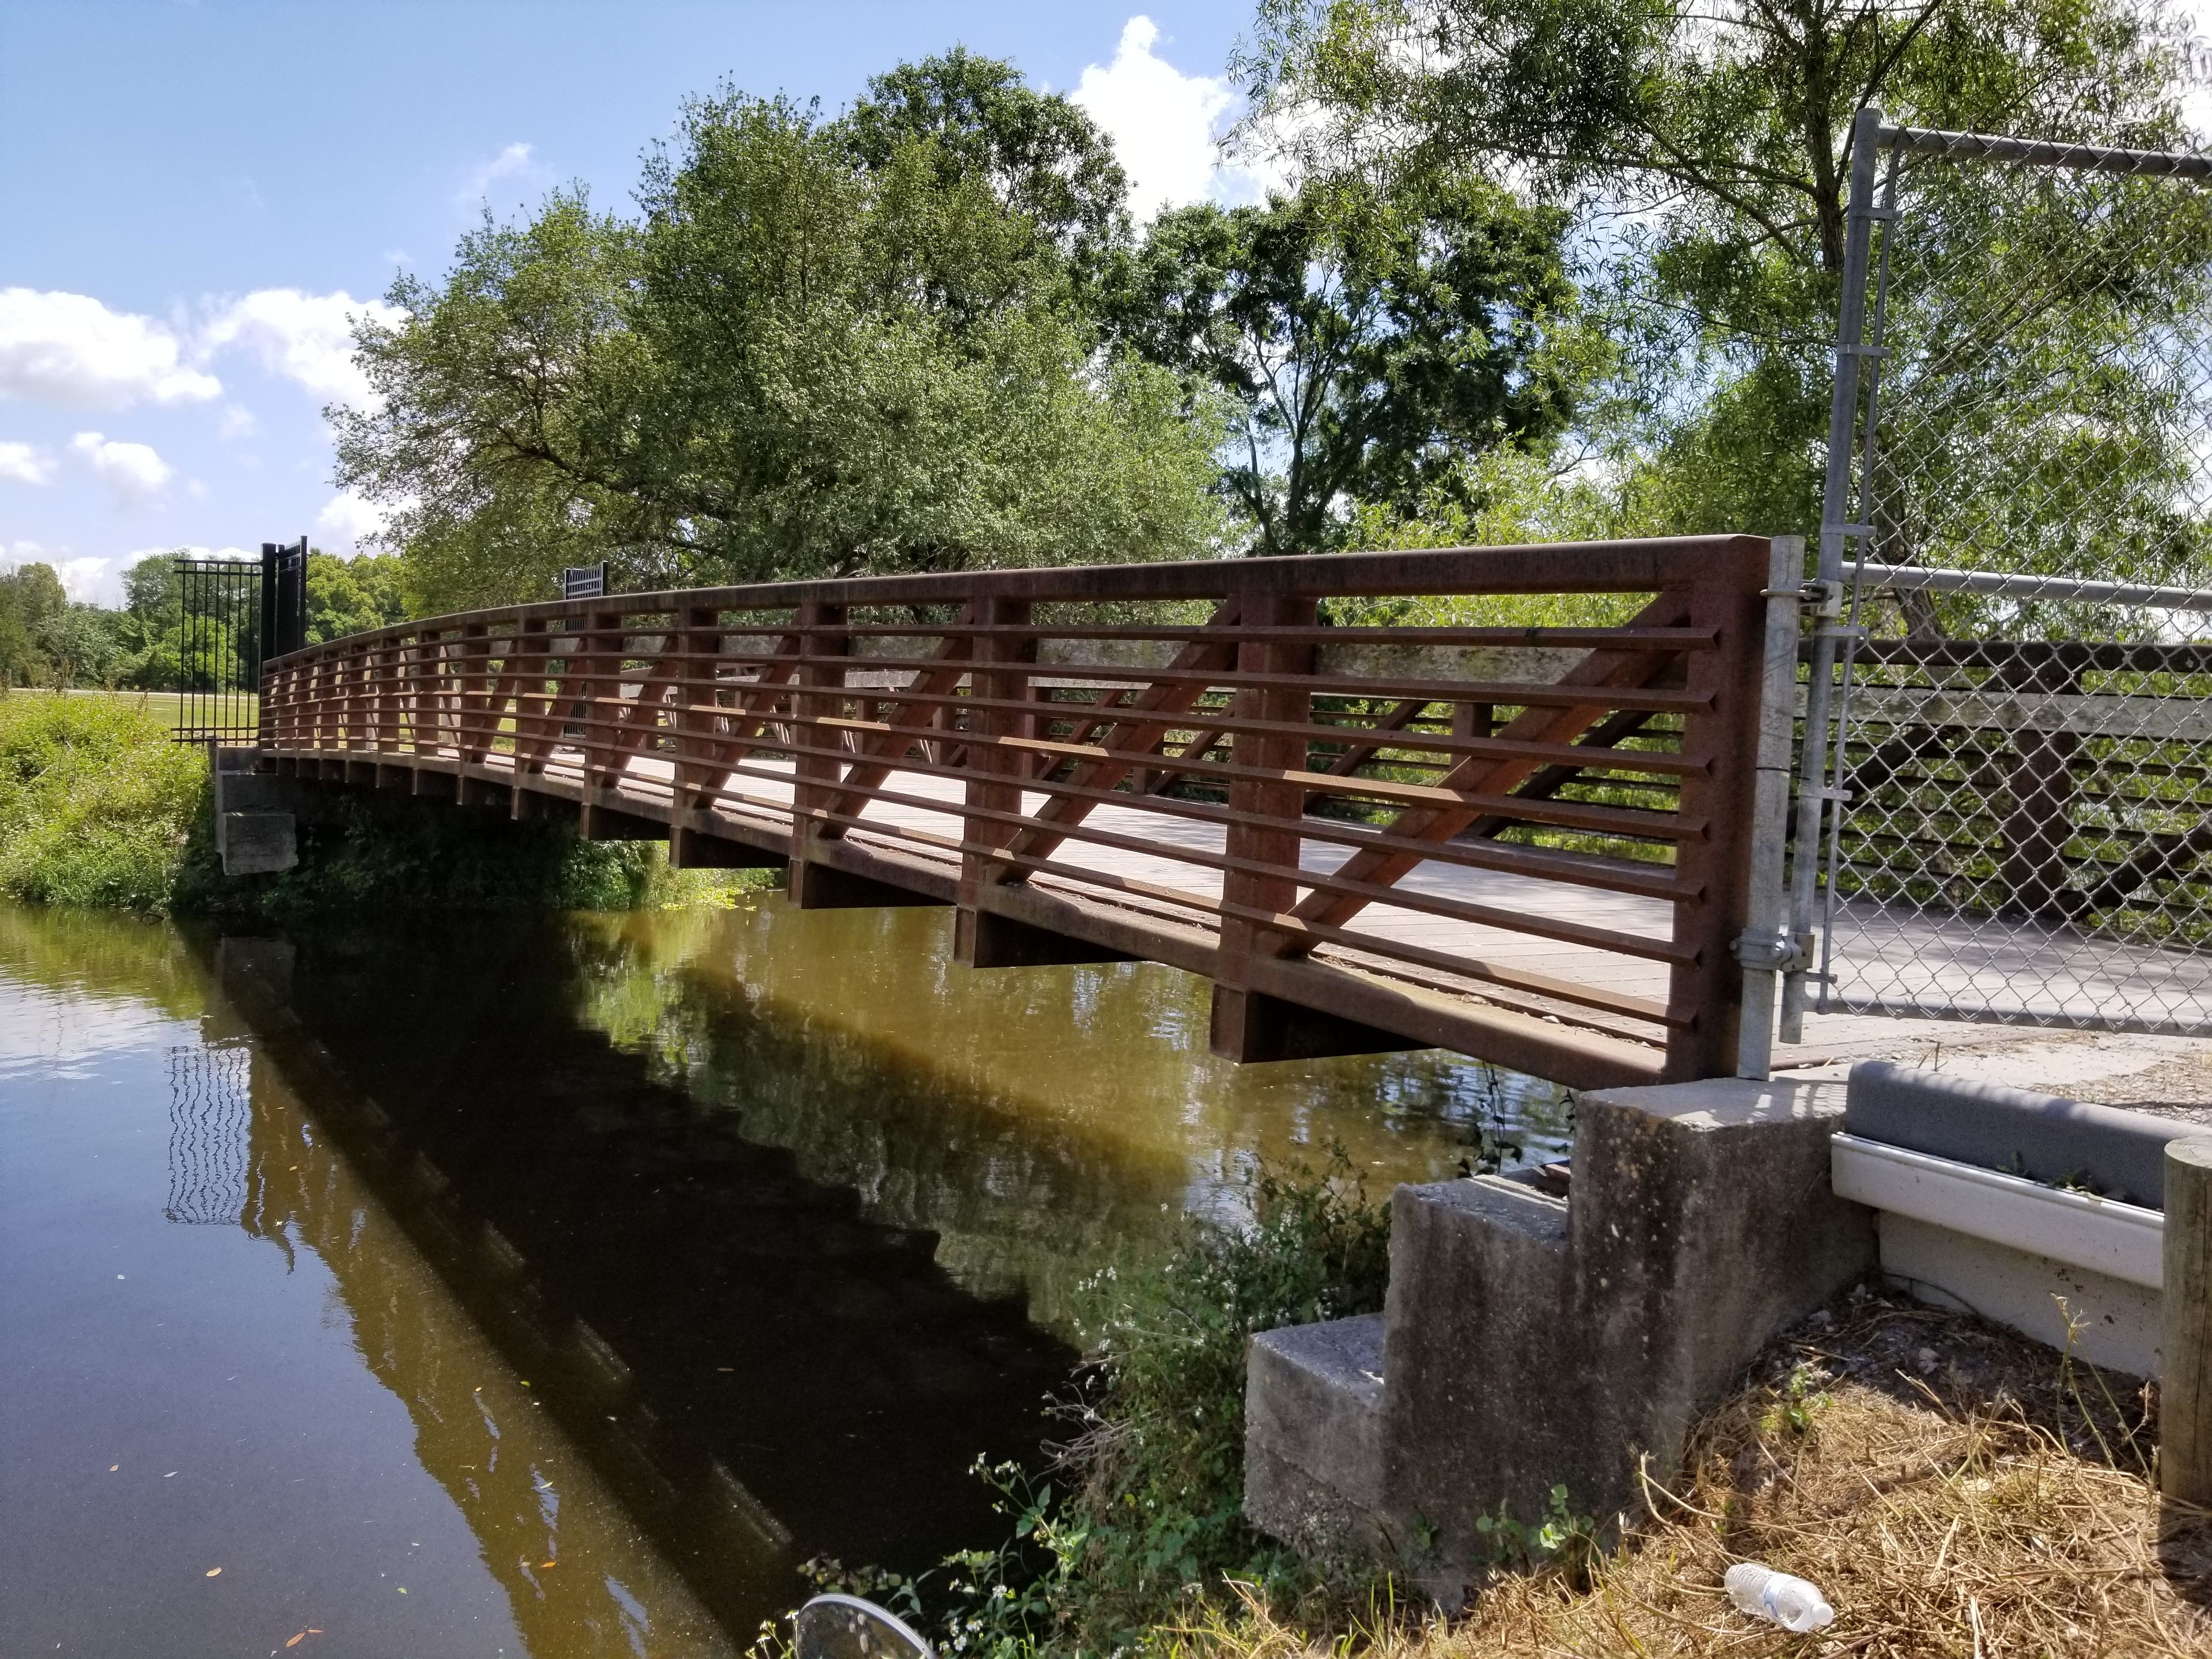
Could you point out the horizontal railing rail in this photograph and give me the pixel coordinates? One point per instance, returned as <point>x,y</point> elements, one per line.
<point>1342,786</point>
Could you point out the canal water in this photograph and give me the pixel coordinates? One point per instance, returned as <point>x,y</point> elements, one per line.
<point>479,1284</point>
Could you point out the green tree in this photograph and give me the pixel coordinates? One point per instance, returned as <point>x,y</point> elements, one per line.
<point>19,656</point>
<point>352,596</point>
<point>152,625</point>
<point>1707,155</point>
<point>1040,156</point>
<point>799,362</point>
<point>33,598</point>
<point>1370,349</point>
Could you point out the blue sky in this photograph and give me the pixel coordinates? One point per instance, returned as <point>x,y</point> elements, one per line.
<point>194,196</point>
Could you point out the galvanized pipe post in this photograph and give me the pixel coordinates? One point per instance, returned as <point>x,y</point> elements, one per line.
<point>1835,528</point>
<point>1766,946</point>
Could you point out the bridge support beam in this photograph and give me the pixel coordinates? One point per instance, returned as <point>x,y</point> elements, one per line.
<point>531,804</point>
<point>595,822</point>
<point>695,850</point>
<point>818,886</point>
<point>1249,1025</point>
<point>982,939</point>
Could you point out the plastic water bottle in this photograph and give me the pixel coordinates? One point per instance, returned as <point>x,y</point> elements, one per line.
<point>1790,1602</point>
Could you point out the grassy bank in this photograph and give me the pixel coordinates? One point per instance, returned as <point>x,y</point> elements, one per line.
<point>1952,1489</point>
<point>100,807</point>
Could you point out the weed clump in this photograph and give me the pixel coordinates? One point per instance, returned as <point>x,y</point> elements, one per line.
<point>1158,1467</point>
<point>97,803</point>
<point>1139,1522</point>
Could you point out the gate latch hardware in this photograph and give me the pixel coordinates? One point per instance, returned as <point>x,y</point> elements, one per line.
<point>1776,950</point>
<point>1823,598</point>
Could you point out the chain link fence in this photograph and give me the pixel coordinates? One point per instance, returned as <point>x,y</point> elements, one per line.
<point>2019,540</point>
<point>210,1132</point>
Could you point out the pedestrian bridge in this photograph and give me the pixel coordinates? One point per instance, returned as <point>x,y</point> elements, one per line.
<point>1371,818</point>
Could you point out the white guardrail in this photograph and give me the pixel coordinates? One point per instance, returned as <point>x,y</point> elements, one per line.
<point>2098,1235</point>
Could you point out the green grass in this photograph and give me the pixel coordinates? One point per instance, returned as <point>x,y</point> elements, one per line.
<point>97,801</point>
<point>100,807</point>
<point>168,707</point>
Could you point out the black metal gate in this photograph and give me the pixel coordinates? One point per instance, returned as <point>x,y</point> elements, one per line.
<point>233,615</point>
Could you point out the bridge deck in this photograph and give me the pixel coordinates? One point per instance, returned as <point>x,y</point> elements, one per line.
<point>1534,842</point>
<point>1944,962</point>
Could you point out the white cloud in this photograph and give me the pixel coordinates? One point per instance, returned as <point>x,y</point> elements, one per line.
<point>345,522</point>
<point>237,422</point>
<point>82,579</point>
<point>1167,127</point>
<point>513,162</point>
<point>16,555</point>
<point>22,464</point>
<point>99,580</point>
<point>70,348</point>
<point>132,470</point>
<point>91,581</point>
<point>307,338</point>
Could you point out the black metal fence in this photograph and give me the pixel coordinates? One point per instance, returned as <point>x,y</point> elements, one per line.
<point>233,614</point>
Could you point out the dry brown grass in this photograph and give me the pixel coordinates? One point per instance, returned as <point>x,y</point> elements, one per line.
<point>1954,1491</point>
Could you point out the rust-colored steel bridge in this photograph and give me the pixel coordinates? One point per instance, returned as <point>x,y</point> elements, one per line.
<point>1370,825</point>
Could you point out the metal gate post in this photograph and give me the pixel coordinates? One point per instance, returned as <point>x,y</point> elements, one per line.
<point>1835,528</point>
<point>1766,945</point>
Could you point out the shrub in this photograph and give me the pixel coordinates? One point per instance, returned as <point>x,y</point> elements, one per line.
<point>1141,1521</point>
<point>96,802</point>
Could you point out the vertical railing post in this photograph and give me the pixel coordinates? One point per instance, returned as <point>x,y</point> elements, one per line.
<point>476,692</point>
<point>600,672</point>
<point>537,708</point>
<point>2185,1385</point>
<point>1247,1024</point>
<point>699,641</point>
<point>994,774</point>
<point>1764,946</point>
<point>411,702</point>
<point>1705,992</point>
<point>820,694</point>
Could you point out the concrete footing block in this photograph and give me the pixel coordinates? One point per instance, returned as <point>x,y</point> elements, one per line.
<point>1530,1343</point>
<point>256,832</point>
<point>1314,1408</point>
<point>258,843</point>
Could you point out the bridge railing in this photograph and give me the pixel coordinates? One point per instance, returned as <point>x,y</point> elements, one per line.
<point>1377,797</point>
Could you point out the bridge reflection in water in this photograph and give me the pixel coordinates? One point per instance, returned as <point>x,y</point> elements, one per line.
<point>577,1578</point>
<point>779,1214</point>
<point>758,1371</point>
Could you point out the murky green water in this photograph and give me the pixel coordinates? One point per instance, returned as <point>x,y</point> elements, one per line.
<point>577,1277</point>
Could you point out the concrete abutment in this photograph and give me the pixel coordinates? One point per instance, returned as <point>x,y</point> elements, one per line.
<point>1530,1342</point>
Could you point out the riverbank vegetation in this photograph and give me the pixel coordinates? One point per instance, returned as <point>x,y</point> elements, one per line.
<point>1139,1523</point>
<point>100,806</point>
<point>1954,1489</point>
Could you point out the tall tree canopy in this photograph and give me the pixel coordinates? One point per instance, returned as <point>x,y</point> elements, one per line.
<point>1707,151</point>
<point>1368,347</point>
<point>826,347</point>
<point>1040,156</point>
